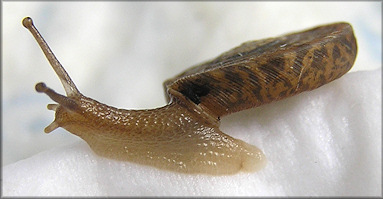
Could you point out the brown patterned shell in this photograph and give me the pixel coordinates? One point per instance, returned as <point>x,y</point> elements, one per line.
<point>259,72</point>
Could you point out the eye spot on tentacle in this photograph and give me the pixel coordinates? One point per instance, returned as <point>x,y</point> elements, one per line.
<point>41,87</point>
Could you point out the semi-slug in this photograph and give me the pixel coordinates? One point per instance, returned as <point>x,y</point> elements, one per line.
<point>184,135</point>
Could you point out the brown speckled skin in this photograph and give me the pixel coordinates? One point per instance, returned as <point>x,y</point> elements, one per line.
<point>171,138</point>
<point>263,71</point>
<point>184,135</point>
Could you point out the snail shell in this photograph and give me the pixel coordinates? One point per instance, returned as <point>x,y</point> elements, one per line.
<point>184,135</point>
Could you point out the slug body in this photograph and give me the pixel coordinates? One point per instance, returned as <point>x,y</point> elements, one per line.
<point>184,135</point>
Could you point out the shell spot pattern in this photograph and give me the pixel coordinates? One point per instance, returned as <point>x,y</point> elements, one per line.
<point>184,135</point>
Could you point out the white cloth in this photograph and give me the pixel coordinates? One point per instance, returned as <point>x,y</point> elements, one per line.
<point>321,143</point>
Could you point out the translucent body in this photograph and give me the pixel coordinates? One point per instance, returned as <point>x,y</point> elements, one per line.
<point>170,137</point>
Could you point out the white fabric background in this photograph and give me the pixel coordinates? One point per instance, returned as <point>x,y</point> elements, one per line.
<point>325,142</point>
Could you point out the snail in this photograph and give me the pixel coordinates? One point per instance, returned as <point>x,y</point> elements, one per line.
<point>184,135</point>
